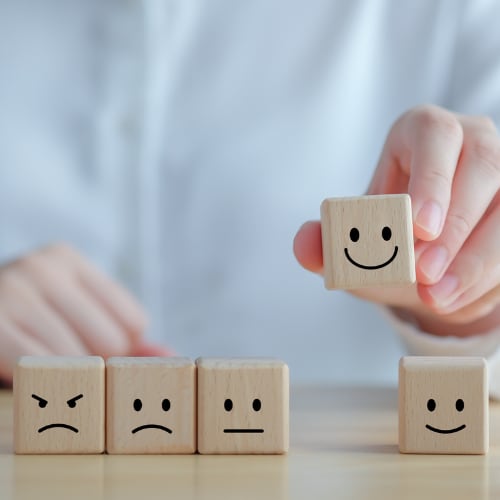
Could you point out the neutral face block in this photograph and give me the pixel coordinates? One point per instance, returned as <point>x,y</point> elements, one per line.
<point>243,406</point>
<point>59,405</point>
<point>367,241</point>
<point>151,405</point>
<point>443,405</point>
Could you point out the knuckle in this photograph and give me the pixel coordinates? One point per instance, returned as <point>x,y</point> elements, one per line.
<point>60,249</point>
<point>439,179</point>
<point>438,120</point>
<point>486,149</point>
<point>9,281</point>
<point>460,225</point>
<point>35,266</point>
<point>486,123</point>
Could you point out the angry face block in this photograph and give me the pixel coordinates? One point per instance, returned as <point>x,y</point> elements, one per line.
<point>59,405</point>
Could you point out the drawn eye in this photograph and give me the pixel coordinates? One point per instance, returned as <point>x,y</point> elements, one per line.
<point>459,405</point>
<point>165,404</point>
<point>137,405</point>
<point>257,405</point>
<point>431,405</point>
<point>72,402</point>
<point>386,233</point>
<point>42,403</point>
<point>228,405</point>
<point>354,234</point>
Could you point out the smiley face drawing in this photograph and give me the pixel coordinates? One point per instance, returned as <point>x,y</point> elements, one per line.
<point>59,405</point>
<point>367,241</point>
<point>151,405</point>
<point>443,405</point>
<point>242,406</point>
<point>386,236</point>
<point>431,407</point>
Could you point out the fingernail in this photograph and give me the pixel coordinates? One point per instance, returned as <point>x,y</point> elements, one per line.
<point>429,218</point>
<point>433,261</point>
<point>442,291</point>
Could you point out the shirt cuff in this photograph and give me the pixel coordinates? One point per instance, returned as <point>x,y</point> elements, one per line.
<point>420,343</point>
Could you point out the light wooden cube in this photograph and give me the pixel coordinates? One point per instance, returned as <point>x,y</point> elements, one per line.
<point>367,241</point>
<point>443,405</point>
<point>243,406</point>
<point>151,405</point>
<point>59,405</point>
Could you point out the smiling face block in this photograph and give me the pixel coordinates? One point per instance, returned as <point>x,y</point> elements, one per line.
<point>367,241</point>
<point>242,406</point>
<point>443,405</point>
<point>59,405</point>
<point>151,405</point>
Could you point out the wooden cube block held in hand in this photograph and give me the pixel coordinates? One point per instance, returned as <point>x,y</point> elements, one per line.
<point>243,406</point>
<point>151,405</point>
<point>443,405</point>
<point>367,241</point>
<point>59,405</point>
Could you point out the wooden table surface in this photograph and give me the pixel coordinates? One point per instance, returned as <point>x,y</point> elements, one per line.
<point>343,445</point>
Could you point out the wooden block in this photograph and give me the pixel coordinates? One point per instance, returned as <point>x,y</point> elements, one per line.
<point>151,405</point>
<point>242,406</point>
<point>367,241</point>
<point>443,405</point>
<point>59,405</point>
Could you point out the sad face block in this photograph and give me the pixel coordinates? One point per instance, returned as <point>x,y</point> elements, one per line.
<point>367,241</point>
<point>443,405</point>
<point>151,405</point>
<point>59,405</point>
<point>242,406</point>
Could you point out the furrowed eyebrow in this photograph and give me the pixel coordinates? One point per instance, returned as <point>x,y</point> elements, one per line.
<point>39,399</point>
<point>75,399</point>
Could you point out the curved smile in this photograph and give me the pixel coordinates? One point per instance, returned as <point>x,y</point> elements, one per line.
<point>445,431</point>
<point>379,266</point>
<point>151,426</point>
<point>63,426</point>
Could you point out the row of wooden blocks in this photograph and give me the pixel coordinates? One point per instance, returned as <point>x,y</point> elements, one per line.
<point>150,405</point>
<point>172,405</point>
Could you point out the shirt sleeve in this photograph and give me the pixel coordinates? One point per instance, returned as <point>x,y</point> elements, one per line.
<point>420,343</point>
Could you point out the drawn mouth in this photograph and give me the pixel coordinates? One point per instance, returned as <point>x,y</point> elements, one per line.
<point>244,431</point>
<point>63,426</point>
<point>445,431</point>
<point>379,266</point>
<point>151,426</point>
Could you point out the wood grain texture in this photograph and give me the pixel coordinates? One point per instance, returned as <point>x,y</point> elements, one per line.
<point>443,405</point>
<point>365,218</point>
<point>243,406</point>
<point>343,444</point>
<point>159,393</point>
<point>67,391</point>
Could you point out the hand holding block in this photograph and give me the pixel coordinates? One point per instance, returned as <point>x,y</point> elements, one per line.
<point>367,241</point>
<point>443,405</point>
<point>242,406</point>
<point>59,405</point>
<point>151,405</point>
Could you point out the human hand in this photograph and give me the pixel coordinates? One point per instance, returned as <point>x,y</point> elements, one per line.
<point>450,166</point>
<point>55,302</point>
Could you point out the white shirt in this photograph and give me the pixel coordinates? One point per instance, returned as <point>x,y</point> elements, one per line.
<point>180,144</point>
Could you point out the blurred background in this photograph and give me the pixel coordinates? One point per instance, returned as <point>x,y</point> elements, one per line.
<point>181,144</point>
